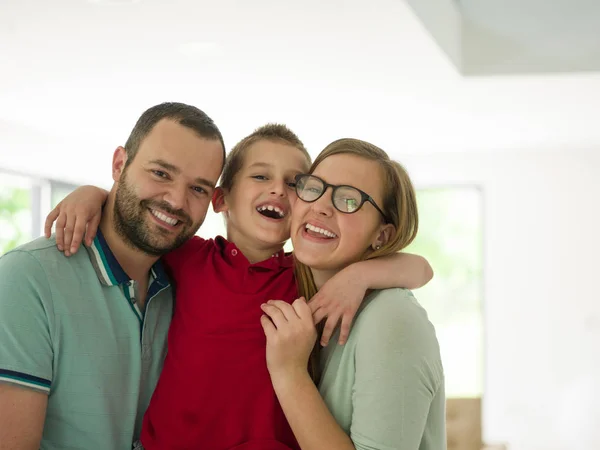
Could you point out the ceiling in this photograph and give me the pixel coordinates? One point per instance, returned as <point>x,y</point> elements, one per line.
<point>491,37</point>
<point>76,74</point>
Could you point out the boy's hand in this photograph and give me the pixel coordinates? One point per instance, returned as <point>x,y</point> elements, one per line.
<point>78,214</point>
<point>339,298</point>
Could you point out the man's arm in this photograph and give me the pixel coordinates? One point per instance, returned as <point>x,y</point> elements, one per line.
<point>22,414</point>
<point>26,353</point>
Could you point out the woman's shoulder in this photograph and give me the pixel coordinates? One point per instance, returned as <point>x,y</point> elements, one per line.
<point>395,317</point>
<point>395,303</point>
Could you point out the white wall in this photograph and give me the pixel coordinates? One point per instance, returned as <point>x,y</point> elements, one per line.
<point>542,304</point>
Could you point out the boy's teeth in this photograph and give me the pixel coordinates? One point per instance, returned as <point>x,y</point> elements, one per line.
<point>271,208</point>
<point>164,218</point>
<point>327,233</point>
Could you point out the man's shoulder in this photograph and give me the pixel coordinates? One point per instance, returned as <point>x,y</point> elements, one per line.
<point>35,251</point>
<point>41,253</point>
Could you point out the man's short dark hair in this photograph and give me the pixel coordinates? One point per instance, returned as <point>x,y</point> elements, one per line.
<point>185,115</point>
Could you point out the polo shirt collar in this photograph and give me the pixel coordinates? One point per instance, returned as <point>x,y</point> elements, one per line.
<point>236,258</point>
<point>109,270</point>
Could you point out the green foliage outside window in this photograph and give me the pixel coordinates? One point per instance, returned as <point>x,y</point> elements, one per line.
<point>451,238</point>
<point>15,217</point>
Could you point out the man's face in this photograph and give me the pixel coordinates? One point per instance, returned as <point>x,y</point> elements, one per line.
<point>163,194</point>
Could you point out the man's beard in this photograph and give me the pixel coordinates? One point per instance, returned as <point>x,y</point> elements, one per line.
<point>130,222</point>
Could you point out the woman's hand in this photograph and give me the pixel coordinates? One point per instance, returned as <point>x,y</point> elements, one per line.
<point>79,213</point>
<point>291,336</point>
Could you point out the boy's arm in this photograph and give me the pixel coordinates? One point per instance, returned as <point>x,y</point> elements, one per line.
<point>26,353</point>
<point>79,212</point>
<point>341,296</point>
<point>402,270</point>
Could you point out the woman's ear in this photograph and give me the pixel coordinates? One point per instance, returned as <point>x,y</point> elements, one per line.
<point>218,200</point>
<point>385,235</point>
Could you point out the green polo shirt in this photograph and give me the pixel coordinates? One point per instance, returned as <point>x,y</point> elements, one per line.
<point>385,386</point>
<point>71,328</point>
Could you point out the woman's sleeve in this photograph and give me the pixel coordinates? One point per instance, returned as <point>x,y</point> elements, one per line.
<point>398,397</point>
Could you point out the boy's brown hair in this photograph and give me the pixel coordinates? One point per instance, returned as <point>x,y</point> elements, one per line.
<point>274,132</point>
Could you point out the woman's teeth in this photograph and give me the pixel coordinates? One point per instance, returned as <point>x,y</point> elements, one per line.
<point>314,229</point>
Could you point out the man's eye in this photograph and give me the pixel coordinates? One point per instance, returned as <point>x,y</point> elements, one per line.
<point>199,190</point>
<point>160,173</point>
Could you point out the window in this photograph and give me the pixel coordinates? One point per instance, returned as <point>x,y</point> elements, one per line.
<point>24,203</point>
<point>450,237</point>
<point>15,211</point>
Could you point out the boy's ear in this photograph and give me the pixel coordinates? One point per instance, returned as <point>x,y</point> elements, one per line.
<point>385,235</point>
<point>218,200</point>
<point>118,163</point>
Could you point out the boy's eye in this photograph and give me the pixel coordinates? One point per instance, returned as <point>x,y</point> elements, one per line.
<point>292,184</point>
<point>259,177</point>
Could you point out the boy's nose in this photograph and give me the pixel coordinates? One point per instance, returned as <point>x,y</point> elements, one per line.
<point>278,188</point>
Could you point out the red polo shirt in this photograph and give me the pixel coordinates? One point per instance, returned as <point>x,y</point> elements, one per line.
<point>215,392</point>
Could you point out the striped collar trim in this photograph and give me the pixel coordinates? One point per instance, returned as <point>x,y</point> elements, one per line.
<point>109,270</point>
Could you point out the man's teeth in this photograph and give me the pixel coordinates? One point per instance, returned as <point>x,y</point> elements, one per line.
<point>271,208</point>
<point>164,218</point>
<point>327,233</point>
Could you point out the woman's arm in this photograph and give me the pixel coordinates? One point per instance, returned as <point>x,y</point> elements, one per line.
<point>397,392</point>
<point>291,335</point>
<point>308,415</point>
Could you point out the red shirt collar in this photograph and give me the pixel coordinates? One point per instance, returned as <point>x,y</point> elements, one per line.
<point>236,258</point>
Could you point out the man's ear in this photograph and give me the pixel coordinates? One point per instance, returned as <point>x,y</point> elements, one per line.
<point>385,235</point>
<point>118,163</point>
<point>218,200</point>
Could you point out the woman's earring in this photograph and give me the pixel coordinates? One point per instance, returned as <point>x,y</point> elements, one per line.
<point>377,247</point>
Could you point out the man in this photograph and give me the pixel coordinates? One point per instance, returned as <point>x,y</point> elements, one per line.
<point>83,339</point>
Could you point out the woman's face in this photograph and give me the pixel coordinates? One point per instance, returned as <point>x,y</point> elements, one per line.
<point>328,240</point>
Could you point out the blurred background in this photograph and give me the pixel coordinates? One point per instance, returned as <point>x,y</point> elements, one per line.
<point>493,106</point>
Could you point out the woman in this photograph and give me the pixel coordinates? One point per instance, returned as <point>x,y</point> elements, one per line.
<point>383,389</point>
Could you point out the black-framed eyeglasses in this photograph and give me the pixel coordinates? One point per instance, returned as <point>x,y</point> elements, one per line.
<point>346,199</point>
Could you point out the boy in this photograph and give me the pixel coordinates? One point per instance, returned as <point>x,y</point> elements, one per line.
<point>215,391</point>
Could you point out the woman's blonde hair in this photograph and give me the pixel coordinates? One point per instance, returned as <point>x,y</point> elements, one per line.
<point>399,206</point>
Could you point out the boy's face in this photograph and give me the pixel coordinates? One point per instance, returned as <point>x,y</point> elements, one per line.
<point>260,201</point>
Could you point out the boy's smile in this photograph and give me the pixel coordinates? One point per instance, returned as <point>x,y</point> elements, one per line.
<point>273,210</point>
